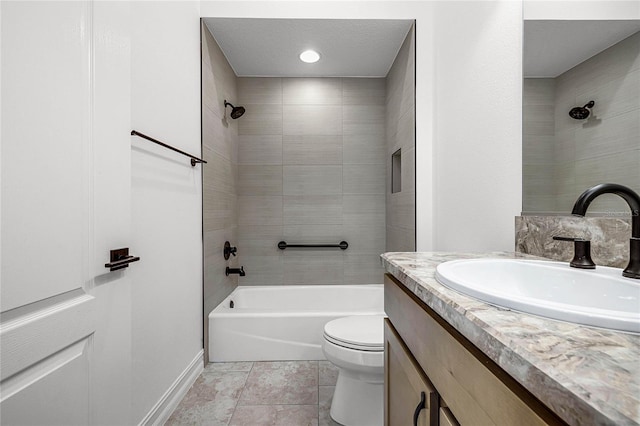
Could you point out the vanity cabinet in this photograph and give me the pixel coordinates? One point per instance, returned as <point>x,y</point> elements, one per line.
<point>424,353</point>
<point>407,389</point>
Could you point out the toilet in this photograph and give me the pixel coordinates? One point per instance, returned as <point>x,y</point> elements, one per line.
<point>356,346</point>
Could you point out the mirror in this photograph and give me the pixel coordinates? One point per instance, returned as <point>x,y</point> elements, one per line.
<point>567,64</point>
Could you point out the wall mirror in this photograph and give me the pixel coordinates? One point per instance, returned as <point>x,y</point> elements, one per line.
<point>568,64</point>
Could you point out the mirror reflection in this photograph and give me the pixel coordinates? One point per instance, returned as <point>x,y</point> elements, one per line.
<point>581,112</point>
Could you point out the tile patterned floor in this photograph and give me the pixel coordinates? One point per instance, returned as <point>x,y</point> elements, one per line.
<point>282,393</point>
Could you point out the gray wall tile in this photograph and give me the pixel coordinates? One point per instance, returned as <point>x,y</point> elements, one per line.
<point>261,119</point>
<point>260,149</point>
<point>364,210</point>
<point>259,91</point>
<point>364,179</point>
<point>312,120</point>
<point>363,91</point>
<point>364,119</point>
<point>364,149</point>
<point>312,180</point>
<point>260,240</point>
<point>321,234</point>
<point>219,176</point>
<point>328,178</point>
<point>262,270</point>
<point>259,180</point>
<point>312,91</point>
<point>259,210</point>
<point>312,210</point>
<point>363,269</point>
<point>364,239</point>
<point>313,267</point>
<point>306,150</point>
<point>400,134</point>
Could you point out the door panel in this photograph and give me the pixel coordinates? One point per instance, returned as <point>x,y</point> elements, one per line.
<point>65,325</point>
<point>36,334</point>
<point>47,321</point>
<point>43,197</point>
<point>37,398</point>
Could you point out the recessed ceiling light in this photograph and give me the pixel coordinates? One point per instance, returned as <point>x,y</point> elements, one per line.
<point>309,56</point>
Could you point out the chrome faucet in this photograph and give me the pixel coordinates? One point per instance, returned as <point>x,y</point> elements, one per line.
<point>633,200</point>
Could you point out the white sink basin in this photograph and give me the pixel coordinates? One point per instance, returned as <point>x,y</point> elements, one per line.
<point>600,297</point>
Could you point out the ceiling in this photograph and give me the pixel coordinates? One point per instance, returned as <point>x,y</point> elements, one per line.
<point>347,47</point>
<point>553,47</point>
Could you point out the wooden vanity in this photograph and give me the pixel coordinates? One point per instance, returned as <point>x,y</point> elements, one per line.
<point>427,358</point>
<point>423,353</point>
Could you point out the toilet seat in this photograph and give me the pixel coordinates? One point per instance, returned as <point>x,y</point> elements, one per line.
<point>360,332</point>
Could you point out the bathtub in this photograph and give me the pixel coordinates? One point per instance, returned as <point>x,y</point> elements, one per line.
<point>271,323</point>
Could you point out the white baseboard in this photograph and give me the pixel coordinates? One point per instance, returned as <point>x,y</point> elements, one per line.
<point>161,412</point>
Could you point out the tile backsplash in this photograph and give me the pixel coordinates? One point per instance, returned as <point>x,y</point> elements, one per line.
<point>609,237</point>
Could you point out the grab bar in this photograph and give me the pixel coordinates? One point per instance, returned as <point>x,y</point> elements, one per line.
<point>194,160</point>
<point>343,245</point>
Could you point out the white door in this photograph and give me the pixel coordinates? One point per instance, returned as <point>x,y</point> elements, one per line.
<point>65,322</point>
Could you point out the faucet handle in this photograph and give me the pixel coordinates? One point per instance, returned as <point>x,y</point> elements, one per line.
<point>581,252</point>
<point>229,250</point>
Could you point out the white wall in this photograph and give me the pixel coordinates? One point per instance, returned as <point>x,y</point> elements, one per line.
<point>581,10</point>
<point>166,197</point>
<point>478,131</point>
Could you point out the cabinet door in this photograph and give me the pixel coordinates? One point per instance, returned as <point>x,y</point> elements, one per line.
<point>409,398</point>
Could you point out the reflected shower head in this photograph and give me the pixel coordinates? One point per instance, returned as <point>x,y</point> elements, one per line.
<point>580,113</point>
<point>236,112</point>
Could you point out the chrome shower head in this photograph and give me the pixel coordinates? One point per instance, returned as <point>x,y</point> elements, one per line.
<point>236,112</point>
<point>580,113</point>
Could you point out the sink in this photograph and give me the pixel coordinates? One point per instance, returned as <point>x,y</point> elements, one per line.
<point>600,297</point>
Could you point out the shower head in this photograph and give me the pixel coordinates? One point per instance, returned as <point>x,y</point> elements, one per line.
<point>236,112</point>
<point>580,113</point>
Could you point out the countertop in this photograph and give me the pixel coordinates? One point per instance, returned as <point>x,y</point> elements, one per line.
<point>586,375</point>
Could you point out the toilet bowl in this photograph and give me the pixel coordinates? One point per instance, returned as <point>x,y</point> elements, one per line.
<point>356,346</point>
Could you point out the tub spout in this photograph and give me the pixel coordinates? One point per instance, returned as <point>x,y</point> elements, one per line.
<point>239,271</point>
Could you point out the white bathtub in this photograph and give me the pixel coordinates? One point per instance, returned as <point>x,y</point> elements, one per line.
<point>271,323</point>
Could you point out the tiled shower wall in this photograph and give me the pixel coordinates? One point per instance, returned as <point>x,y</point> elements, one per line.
<point>563,156</point>
<point>311,169</point>
<point>400,135</point>
<point>220,150</point>
<point>538,145</point>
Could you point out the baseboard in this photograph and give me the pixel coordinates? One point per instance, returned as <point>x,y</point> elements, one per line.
<point>161,412</point>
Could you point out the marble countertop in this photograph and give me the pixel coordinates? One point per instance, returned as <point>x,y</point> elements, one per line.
<point>586,375</point>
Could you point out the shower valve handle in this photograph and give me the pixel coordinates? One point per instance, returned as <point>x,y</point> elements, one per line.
<point>229,250</point>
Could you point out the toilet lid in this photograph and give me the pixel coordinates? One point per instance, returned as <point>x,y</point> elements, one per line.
<point>361,332</point>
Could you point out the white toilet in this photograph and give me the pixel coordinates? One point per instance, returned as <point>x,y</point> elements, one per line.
<point>356,346</point>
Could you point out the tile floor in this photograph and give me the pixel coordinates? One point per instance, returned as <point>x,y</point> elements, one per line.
<point>282,393</point>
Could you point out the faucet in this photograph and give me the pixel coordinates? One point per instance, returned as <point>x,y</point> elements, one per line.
<point>239,271</point>
<point>633,200</point>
